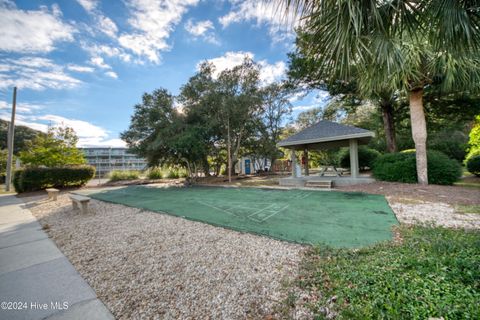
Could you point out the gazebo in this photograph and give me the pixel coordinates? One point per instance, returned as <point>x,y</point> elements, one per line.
<point>326,135</point>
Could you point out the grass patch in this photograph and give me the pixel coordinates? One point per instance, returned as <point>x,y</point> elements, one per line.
<point>118,175</point>
<point>433,273</point>
<point>467,208</point>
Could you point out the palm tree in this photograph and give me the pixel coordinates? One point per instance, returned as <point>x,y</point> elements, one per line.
<point>398,45</point>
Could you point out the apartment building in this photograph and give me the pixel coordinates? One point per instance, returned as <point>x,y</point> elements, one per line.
<point>108,159</point>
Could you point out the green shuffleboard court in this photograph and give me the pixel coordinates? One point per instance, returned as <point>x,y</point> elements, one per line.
<point>338,219</point>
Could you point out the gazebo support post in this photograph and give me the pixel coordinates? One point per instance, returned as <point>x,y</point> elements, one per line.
<point>294,163</point>
<point>305,156</point>
<point>354,168</point>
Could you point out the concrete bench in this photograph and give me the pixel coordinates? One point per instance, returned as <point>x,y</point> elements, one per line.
<point>83,201</point>
<point>52,193</point>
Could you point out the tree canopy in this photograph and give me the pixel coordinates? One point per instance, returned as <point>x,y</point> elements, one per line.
<point>216,118</point>
<point>58,147</point>
<point>21,137</point>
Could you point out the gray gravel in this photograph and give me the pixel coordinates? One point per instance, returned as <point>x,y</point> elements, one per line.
<point>410,211</point>
<point>145,265</point>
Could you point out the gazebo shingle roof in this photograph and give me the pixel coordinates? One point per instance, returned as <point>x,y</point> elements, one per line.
<point>325,131</point>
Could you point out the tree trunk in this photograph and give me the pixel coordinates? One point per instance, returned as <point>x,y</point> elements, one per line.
<point>419,134</point>
<point>389,126</point>
<point>229,152</point>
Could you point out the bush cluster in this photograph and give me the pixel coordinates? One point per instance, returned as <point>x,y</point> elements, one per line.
<point>155,173</point>
<point>117,175</point>
<point>451,143</point>
<point>473,164</point>
<point>366,157</point>
<point>173,173</point>
<point>401,167</point>
<point>38,178</point>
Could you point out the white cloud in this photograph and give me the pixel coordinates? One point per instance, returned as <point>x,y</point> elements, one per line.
<point>88,133</point>
<point>77,68</point>
<point>88,5</point>
<point>107,26</point>
<point>304,108</point>
<point>199,28</point>
<point>32,30</point>
<point>103,23</point>
<point>19,122</point>
<point>114,143</point>
<point>35,73</point>
<point>202,29</point>
<point>105,50</point>
<point>263,12</point>
<point>111,74</point>
<point>152,22</point>
<point>269,73</point>
<point>99,62</point>
<point>22,107</point>
<point>228,60</point>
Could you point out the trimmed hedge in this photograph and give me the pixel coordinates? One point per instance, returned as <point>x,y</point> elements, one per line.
<point>451,143</point>
<point>473,165</point>
<point>366,157</point>
<point>401,167</point>
<point>37,178</point>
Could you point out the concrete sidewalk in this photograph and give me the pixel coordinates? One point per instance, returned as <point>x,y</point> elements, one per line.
<point>35,276</point>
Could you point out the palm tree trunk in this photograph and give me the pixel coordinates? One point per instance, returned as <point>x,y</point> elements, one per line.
<point>389,126</point>
<point>419,133</point>
<point>229,152</point>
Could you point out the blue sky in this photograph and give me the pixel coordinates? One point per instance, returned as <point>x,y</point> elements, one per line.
<point>86,63</point>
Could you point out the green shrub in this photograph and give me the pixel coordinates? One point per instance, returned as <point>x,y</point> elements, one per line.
<point>183,173</point>
<point>37,178</point>
<point>401,167</point>
<point>155,173</point>
<point>17,175</point>
<point>451,143</point>
<point>172,174</point>
<point>474,141</point>
<point>473,164</point>
<point>117,175</point>
<point>366,157</point>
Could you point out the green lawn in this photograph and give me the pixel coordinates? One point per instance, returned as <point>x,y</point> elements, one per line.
<point>338,219</point>
<point>435,272</point>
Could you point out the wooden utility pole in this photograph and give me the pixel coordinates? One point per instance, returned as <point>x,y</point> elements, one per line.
<point>11,132</point>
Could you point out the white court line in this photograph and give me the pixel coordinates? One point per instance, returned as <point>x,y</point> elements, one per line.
<point>256,212</point>
<point>306,195</point>
<point>220,209</point>
<point>274,213</point>
<point>302,195</point>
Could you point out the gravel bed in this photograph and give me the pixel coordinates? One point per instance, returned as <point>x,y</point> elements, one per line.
<point>411,211</point>
<point>146,265</point>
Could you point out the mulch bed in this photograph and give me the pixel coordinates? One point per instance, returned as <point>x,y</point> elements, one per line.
<point>454,195</point>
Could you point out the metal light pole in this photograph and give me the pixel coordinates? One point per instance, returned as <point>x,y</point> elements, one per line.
<point>11,132</point>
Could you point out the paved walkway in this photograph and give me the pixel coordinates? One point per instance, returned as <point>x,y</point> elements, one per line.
<point>35,276</point>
